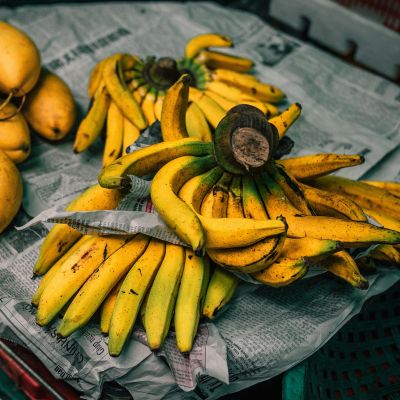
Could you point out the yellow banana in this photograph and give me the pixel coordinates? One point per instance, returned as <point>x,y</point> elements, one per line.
<point>344,267</point>
<point>207,205</point>
<point>190,299</point>
<point>220,193</point>
<point>385,220</point>
<point>90,296</point>
<point>115,128</point>
<point>316,165</point>
<point>132,292</point>
<point>158,105</point>
<point>392,187</point>
<point>211,109</point>
<point>386,252</point>
<point>131,133</point>
<point>308,248</point>
<point>107,308</point>
<point>176,213</point>
<point>364,195</point>
<point>272,111</point>
<point>148,105</point>
<point>282,272</point>
<point>96,78</point>
<point>216,59</point>
<point>249,85</point>
<point>205,40</point>
<point>73,273</point>
<point>120,93</point>
<point>149,159</point>
<point>285,120</point>
<point>61,237</point>
<point>91,126</point>
<point>196,123</point>
<point>225,103</point>
<point>220,290</point>
<point>253,205</point>
<point>173,114</point>
<point>162,296</point>
<point>235,208</point>
<point>332,205</point>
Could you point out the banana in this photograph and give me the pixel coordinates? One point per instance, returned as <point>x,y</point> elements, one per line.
<point>162,296</point>
<point>220,290</point>
<point>91,126</point>
<point>364,195</point>
<point>216,59</point>
<point>158,105</point>
<point>392,187</point>
<point>235,208</point>
<point>225,103</point>
<point>196,188</point>
<point>207,205</point>
<point>61,237</point>
<point>212,110</point>
<point>93,292</point>
<point>386,252</point>
<point>15,138</point>
<point>148,106</point>
<point>252,205</point>
<point>53,270</point>
<point>249,85</point>
<point>309,248</point>
<point>133,290</point>
<point>272,111</point>
<point>316,165</point>
<point>344,267</point>
<point>96,78</point>
<point>107,308</point>
<point>235,94</point>
<point>176,213</point>
<point>115,131</point>
<point>120,93</point>
<point>282,272</point>
<point>149,159</point>
<point>73,273</point>
<point>220,193</point>
<point>190,299</point>
<point>290,188</point>
<point>332,205</point>
<point>173,114</point>
<point>285,120</point>
<point>385,220</point>
<point>196,123</point>
<point>349,233</point>
<point>200,42</point>
<point>10,191</point>
<point>130,134</point>
<point>50,107</point>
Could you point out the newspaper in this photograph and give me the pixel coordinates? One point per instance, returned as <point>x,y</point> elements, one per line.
<point>264,331</point>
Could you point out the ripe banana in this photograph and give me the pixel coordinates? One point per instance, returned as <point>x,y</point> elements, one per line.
<point>225,103</point>
<point>344,267</point>
<point>364,195</point>
<point>392,187</point>
<point>120,93</point>
<point>308,248</point>
<point>200,42</point>
<point>316,165</point>
<point>148,106</point>
<point>220,290</point>
<point>10,190</point>
<point>386,252</point>
<point>173,122</point>
<point>61,237</point>
<point>216,59</point>
<point>114,134</point>
<point>132,292</point>
<point>131,133</point>
<point>149,159</point>
<point>73,273</point>
<point>90,296</point>
<point>176,213</point>
<point>91,126</point>
<point>196,123</point>
<point>252,204</point>
<point>207,205</point>
<point>282,272</point>
<point>220,193</point>
<point>162,296</point>
<point>96,78</point>
<point>189,303</point>
<point>385,220</point>
<point>285,120</point>
<point>107,308</point>
<point>235,208</point>
<point>158,105</point>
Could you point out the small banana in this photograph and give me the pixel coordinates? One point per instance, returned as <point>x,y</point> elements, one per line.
<point>131,133</point>
<point>114,134</point>
<point>176,213</point>
<point>148,105</point>
<point>220,193</point>
<point>235,207</point>
<point>200,42</point>
<point>316,165</point>
<point>225,103</point>
<point>285,120</point>
<point>220,290</point>
<point>207,205</point>
<point>90,296</point>
<point>196,123</point>
<point>61,237</point>
<point>158,105</point>
<point>149,159</point>
<point>216,59</point>
<point>252,204</point>
<point>162,296</point>
<point>133,290</point>
<point>173,122</point>
<point>190,299</point>
<point>107,308</point>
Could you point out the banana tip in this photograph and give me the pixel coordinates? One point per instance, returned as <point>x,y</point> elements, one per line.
<point>363,285</point>
<point>299,106</point>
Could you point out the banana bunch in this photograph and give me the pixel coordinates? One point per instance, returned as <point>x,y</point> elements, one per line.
<point>128,94</point>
